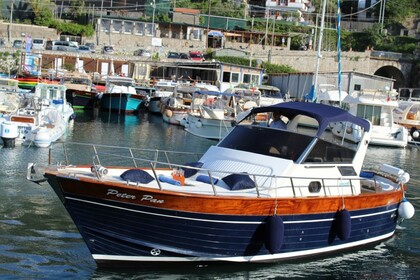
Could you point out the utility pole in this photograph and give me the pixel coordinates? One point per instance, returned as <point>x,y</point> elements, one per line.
<point>11,20</point>
<point>266,27</point>
<point>99,26</point>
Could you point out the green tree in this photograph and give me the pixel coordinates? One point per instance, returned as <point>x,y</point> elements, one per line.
<point>42,10</point>
<point>77,8</point>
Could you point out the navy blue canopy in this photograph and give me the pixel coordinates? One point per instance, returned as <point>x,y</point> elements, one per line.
<point>324,114</point>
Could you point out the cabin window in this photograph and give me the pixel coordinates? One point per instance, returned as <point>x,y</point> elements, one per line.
<point>230,77</point>
<point>226,77</point>
<point>235,78</point>
<point>251,79</point>
<point>327,152</point>
<point>369,112</point>
<point>314,187</point>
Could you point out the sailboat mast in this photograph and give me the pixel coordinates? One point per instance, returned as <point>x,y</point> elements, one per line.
<point>339,48</point>
<point>318,56</point>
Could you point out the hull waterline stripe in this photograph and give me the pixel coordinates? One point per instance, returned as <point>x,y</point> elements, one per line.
<point>262,258</point>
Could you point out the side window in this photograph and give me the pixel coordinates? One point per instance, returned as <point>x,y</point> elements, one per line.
<point>226,77</point>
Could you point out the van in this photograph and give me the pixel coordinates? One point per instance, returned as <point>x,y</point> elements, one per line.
<point>65,46</point>
<point>38,44</point>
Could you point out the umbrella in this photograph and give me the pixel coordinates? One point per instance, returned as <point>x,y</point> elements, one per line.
<point>215,33</point>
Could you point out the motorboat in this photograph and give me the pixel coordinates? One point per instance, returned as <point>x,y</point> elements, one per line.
<point>53,96</point>
<point>121,96</point>
<point>376,106</point>
<point>163,89</point>
<point>407,114</point>
<point>330,95</point>
<point>35,124</point>
<point>10,99</point>
<point>213,114</point>
<point>81,92</point>
<point>260,195</point>
<point>269,94</point>
<point>175,109</point>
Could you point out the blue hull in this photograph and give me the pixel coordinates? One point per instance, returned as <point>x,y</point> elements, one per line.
<point>128,232</point>
<point>121,102</point>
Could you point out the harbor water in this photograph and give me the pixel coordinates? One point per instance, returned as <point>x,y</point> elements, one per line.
<point>38,239</point>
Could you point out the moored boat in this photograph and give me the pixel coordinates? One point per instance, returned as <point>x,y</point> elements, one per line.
<point>35,125</point>
<point>214,113</point>
<point>164,89</point>
<point>377,107</point>
<point>176,107</point>
<point>407,114</point>
<point>81,92</point>
<point>260,195</point>
<point>121,95</point>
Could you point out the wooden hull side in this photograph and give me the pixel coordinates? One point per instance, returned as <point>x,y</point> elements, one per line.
<point>124,223</point>
<point>126,102</point>
<point>82,99</point>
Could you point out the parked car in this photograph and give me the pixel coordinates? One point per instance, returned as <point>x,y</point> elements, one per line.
<point>177,55</point>
<point>173,55</point>
<point>84,49</point>
<point>142,52</point>
<point>66,46</point>
<point>17,44</point>
<point>38,44</point>
<point>196,56</point>
<point>91,47</point>
<point>108,49</point>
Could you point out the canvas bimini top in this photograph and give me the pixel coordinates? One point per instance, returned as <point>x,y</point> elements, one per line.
<point>324,114</point>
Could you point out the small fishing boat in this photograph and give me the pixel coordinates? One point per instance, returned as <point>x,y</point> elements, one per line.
<point>121,95</point>
<point>377,107</point>
<point>176,108</point>
<point>261,194</point>
<point>81,92</point>
<point>164,89</point>
<point>214,113</point>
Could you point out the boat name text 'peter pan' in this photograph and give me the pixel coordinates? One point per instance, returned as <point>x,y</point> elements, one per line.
<point>130,196</point>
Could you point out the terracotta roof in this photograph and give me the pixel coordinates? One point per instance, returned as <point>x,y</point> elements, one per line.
<point>187,11</point>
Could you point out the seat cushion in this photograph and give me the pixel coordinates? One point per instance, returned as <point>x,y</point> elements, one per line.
<point>238,182</point>
<point>188,172</point>
<point>137,175</point>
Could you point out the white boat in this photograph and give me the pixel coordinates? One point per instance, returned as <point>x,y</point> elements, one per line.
<point>377,107</point>
<point>35,124</point>
<point>54,96</point>
<point>260,195</point>
<point>176,108</point>
<point>214,114</point>
<point>407,114</point>
<point>330,95</point>
<point>163,89</point>
<point>269,94</point>
<point>42,121</point>
<point>9,96</point>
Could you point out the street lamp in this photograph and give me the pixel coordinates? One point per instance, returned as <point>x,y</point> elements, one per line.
<point>153,17</point>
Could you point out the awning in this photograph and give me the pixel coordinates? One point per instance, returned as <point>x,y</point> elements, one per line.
<point>215,33</point>
<point>229,34</point>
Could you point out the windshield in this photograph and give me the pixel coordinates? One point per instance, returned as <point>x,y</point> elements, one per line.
<point>285,144</point>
